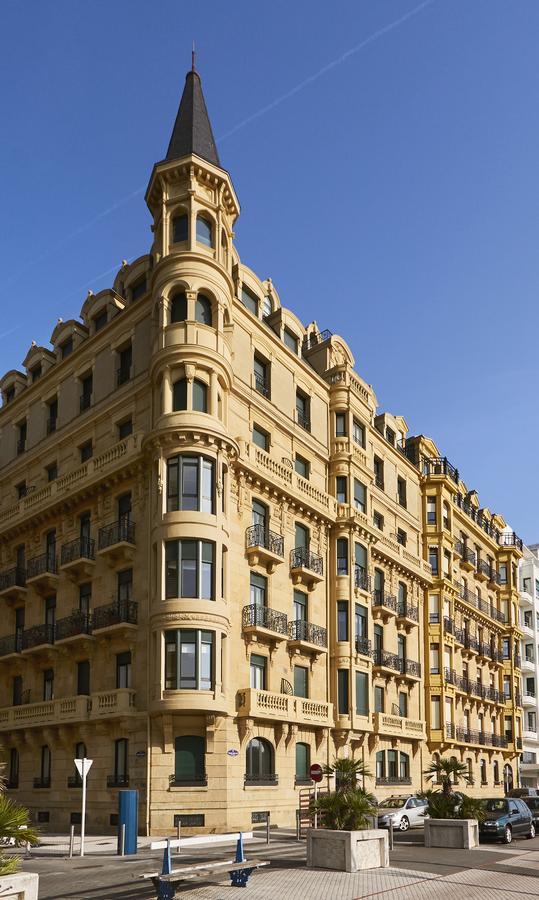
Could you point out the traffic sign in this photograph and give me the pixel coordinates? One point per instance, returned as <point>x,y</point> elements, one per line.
<point>83,766</point>
<point>316,772</point>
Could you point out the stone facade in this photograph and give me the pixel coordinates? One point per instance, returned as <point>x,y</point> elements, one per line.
<point>529,625</point>
<point>214,562</point>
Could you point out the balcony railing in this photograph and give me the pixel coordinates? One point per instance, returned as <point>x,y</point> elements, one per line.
<point>306,631</point>
<point>122,611</point>
<point>269,779</point>
<point>361,579</point>
<point>77,623</point>
<point>260,536</point>
<point>262,385</point>
<point>387,660</point>
<point>448,625</point>
<point>200,780</point>
<point>470,642</point>
<point>303,420</point>
<point>46,564</point>
<point>379,482</point>
<point>483,567</point>
<point>80,548</point>
<point>499,740</point>
<point>450,675</point>
<point>439,465</point>
<point>122,531</point>
<point>449,730</point>
<point>42,782</point>
<point>510,540</point>
<point>363,646</point>
<point>488,608</point>
<point>410,667</point>
<point>380,598</point>
<point>117,781</point>
<point>465,553</point>
<point>12,643</point>
<point>302,557</point>
<point>390,780</point>
<point>476,516</point>
<point>406,610</point>
<point>21,446</point>
<point>39,634</point>
<point>15,577</point>
<point>315,338</point>
<point>259,616</point>
<point>74,781</point>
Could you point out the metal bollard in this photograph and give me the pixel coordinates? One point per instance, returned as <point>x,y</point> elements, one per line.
<point>179,834</point>
<point>71,841</point>
<point>391,834</point>
<point>297,825</point>
<point>267,828</point>
<point>122,840</point>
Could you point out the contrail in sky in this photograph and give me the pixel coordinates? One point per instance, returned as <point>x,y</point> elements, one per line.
<point>376,35</point>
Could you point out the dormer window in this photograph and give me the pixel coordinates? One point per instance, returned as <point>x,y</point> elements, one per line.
<point>36,373</point>
<point>290,341</point>
<point>249,300</point>
<point>178,308</point>
<point>204,231</point>
<point>203,311</point>
<point>10,394</point>
<point>139,289</point>
<point>100,320</point>
<point>180,229</point>
<point>266,307</point>
<point>66,349</point>
<point>87,386</point>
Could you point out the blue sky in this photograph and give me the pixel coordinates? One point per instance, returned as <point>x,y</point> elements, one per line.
<point>393,198</point>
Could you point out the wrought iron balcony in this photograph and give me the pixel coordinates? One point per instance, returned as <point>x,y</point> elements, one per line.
<point>120,532</point>
<point>258,616</point>
<point>307,632</point>
<point>12,643</point>
<point>362,581</point>
<point>380,598</point>
<point>117,613</point>
<point>471,643</point>
<point>439,465</point>
<point>450,676</point>
<point>12,579</point>
<point>260,536</point>
<point>410,667</point>
<point>45,564</point>
<point>114,781</point>
<point>379,482</point>
<point>363,646</point>
<point>200,780</point>
<point>510,540</point>
<point>262,385</point>
<point>71,626</point>
<point>38,635</point>
<point>448,625</point>
<point>386,660</point>
<point>499,740</point>
<point>467,555</point>
<point>271,779</point>
<point>303,558</point>
<point>449,730</point>
<point>407,610</point>
<point>42,782</point>
<point>82,548</point>
<point>393,780</point>
<point>303,420</point>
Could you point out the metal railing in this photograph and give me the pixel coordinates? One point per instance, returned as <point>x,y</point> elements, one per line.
<point>393,780</point>
<point>12,643</point>
<point>380,598</point>
<point>80,548</point>
<point>449,730</point>
<point>300,630</point>
<point>387,660</point>
<point>361,580</point>
<point>410,667</point>
<point>117,781</point>
<point>303,420</point>
<point>488,608</point>
<point>260,536</point>
<point>259,616</point>
<point>39,634</point>
<point>363,646</point>
<point>121,611</point>
<point>77,623</point>
<point>262,385</point>
<point>510,540</point>
<point>439,465</point>
<point>200,780</point>
<point>407,610</point>
<point>45,564</point>
<point>270,779</point>
<point>465,553</point>
<point>302,557</point>
<point>315,338</point>
<point>450,675</point>
<point>448,625</point>
<point>122,531</point>
<point>379,482</point>
<point>15,577</point>
<point>21,446</point>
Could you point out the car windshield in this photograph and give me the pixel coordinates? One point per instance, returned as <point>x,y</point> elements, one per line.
<point>392,803</point>
<point>532,802</point>
<point>495,805</point>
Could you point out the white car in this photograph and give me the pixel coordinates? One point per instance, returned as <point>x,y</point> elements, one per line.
<point>404,812</point>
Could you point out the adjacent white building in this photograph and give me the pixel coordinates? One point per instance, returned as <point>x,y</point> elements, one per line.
<point>529,623</point>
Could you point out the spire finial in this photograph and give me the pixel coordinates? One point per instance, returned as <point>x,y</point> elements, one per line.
<point>193,59</point>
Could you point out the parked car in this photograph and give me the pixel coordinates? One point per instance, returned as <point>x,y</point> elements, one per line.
<point>533,805</point>
<point>404,812</point>
<point>506,818</point>
<point>523,792</point>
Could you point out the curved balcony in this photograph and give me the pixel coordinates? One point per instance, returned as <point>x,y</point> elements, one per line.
<point>306,637</point>
<point>263,623</point>
<point>306,567</point>
<point>264,547</point>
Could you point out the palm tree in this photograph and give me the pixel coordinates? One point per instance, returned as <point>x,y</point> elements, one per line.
<point>347,773</point>
<point>14,829</point>
<point>447,771</point>
<point>344,811</point>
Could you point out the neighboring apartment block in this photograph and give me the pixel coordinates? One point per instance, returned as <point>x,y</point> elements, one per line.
<point>529,625</point>
<point>218,563</point>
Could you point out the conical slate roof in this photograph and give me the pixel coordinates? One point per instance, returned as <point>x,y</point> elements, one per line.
<point>192,131</point>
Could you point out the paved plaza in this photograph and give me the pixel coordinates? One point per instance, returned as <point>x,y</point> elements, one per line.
<point>493,872</point>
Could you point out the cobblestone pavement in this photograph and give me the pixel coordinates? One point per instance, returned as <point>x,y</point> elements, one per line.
<point>492,872</point>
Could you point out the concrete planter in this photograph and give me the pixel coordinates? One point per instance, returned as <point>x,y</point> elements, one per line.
<point>347,851</point>
<point>460,834</point>
<point>19,887</point>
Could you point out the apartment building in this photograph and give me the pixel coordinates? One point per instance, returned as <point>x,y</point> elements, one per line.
<point>472,631</point>
<point>529,626</point>
<point>214,568</point>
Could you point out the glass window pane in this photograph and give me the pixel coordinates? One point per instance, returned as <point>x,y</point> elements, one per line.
<point>189,586</point>
<point>207,491</point>
<point>179,395</point>
<point>300,681</point>
<point>249,300</point>
<point>362,694</point>
<point>188,659</point>
<point>204,231</point>
<point>206,655</point>
<point>206,580</point>
<point>258,589</point>
<point>200,396</point>
<point>178,308</point>
<point>303,761</point>
<point>203,312</point>
<point>180,225</point>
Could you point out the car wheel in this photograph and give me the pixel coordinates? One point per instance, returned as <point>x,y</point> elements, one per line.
<point>508,836</point>
<point>531,833</point>
<point>404,824</point>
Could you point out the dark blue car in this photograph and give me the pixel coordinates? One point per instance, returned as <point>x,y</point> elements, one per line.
<point>505,819</point>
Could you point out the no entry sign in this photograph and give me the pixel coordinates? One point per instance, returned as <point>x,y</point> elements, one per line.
<point>316,772</point>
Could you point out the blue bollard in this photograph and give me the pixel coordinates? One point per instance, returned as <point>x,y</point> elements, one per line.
<point>165,890</point>
<point>240,877</point>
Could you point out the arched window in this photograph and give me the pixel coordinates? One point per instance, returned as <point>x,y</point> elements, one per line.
<point>260,762</point>
<point>180,228</point>
<point>189,765</point>
<point>380,765</point>
<point>507,778</point>
<point>204,231</point>
<point>404,766</point>
<point>178,307</point>
<point>455,777</point>
<point>179,395</point>
<point>483,769</point>
<point>436,760</point>
<point>303,763</point>
<point>496,772</point>
<point>200,396</point>
<point>203,311</point>
<point>342,556</point>
<point>469,763</point>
